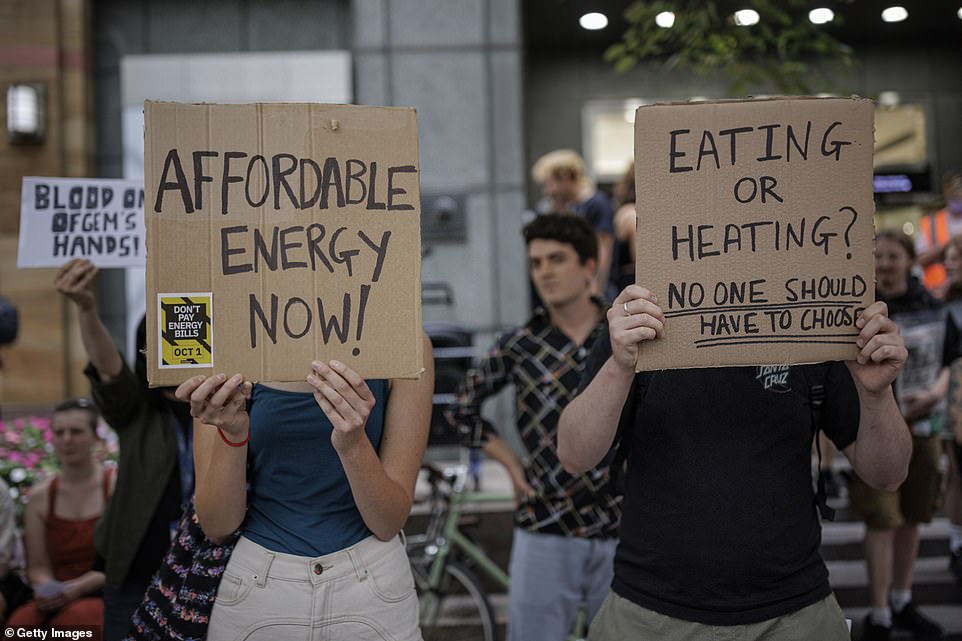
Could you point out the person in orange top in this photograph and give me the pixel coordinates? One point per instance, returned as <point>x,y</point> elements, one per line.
<point>936,229</point>
<point>59,524</point>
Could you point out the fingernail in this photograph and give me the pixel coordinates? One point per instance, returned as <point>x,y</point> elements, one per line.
<point>317,364</point>
<point>311,379</point>
<point>221,377</point>
<point>337,364</point>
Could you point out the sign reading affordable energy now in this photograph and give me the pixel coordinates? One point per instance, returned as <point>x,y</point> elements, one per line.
<point>300,222</point>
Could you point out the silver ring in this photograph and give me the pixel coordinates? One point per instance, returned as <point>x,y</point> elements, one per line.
<point>625,305</point>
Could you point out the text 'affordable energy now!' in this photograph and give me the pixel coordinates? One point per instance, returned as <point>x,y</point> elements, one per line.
<point>278,234</point>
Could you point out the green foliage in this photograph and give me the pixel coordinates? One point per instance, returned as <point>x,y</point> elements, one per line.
<point>778,51</point>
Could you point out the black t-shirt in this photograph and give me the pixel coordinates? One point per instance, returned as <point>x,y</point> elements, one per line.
<point>719,522</point>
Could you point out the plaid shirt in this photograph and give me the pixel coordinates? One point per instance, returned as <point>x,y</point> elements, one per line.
<point>545,367</point>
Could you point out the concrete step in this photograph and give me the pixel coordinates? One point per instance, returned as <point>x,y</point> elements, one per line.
<point>843,540</point>
<point>933,583</point>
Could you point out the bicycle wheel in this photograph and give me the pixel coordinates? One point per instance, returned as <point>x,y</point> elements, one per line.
<point>460,611</point>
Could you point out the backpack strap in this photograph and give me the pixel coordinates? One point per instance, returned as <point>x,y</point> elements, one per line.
<point>815,376</point>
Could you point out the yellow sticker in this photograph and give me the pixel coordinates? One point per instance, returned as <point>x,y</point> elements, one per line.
<point>185,330</point>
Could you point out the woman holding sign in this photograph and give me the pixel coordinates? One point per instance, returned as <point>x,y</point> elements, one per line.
<point>319,476</point>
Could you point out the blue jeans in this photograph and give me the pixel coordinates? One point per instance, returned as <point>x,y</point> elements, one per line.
<point>551,576</point>
<point>119,606</point>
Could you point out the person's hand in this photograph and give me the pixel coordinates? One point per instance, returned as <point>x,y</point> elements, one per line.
<point>882,351</point>
<point>75,280</point>
<point>219,401</point>
<point>634,317</point>
<point>50,597</point>
<point>522,489</point>
<point>345,399</point>
<point>916,405</point>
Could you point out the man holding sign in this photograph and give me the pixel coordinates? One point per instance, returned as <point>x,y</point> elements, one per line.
<point>719,527</point>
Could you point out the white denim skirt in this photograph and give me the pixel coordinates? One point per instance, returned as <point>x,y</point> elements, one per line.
<point>361,593</point>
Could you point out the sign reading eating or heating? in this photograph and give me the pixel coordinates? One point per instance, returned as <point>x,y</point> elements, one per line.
<point>755,229</point>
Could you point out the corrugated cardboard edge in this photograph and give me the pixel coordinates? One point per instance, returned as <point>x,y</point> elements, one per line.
<point>713,101</point>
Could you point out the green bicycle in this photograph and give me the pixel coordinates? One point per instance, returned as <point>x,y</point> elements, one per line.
<point>446,563</point>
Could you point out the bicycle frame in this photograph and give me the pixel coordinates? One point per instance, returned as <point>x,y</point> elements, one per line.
<point>450,538</point>
<point>453,538</point>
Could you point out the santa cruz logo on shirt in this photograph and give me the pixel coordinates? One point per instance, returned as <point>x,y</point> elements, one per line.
<point>773,378</point>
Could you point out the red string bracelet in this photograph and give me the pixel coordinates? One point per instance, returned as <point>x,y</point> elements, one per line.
<point>224,438</point>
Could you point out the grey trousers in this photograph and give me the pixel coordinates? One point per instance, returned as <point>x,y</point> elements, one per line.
<point>551,577</point>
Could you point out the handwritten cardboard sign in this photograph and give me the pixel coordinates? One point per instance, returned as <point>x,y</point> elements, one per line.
<point>278,234</point>
<point>101,220</point>
<point>755,229</point>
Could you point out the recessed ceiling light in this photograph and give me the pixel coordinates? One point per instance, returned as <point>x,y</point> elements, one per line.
<point>960,13</point>
<point>822,15</point>
<point>889,99</point>
<point>593,21</point>
<point>895,14</point>
<point>665,19</point>
<point>746,17</point>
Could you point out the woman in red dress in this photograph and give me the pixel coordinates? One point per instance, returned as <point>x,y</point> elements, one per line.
<point>59,526</point>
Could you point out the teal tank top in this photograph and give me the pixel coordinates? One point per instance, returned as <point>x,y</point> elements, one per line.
<point>299,500</point>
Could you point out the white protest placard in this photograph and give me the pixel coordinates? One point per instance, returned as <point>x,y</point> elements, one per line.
<point>98,219</point>
<point>924,334</point>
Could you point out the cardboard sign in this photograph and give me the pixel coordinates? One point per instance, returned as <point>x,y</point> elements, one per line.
<point>924,335</point>
<point>278,234</point>
<point>755,229</point>
<point>64,218</point>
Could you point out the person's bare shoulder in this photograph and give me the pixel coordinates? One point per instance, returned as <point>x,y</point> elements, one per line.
<point>38,497</point>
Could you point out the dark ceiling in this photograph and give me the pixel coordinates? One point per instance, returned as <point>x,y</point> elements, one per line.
<point>553,24</point>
